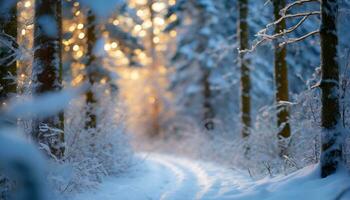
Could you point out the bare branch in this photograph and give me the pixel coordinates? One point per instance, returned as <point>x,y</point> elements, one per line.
<point>296,3</point>
<point>294,40</point>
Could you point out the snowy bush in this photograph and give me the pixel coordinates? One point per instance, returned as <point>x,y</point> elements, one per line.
<point>92,154</point>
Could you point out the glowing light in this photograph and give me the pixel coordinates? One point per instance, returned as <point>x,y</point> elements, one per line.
<point>156,40</point>
<point>76,47</point>
<point>27,4</point>
<point>77,80</point>
<point>173,33</point>
<point>81,35</point>
<point>23,31</point>
<point>80,26</point>
<point>114,45</point>
<point>159,21</point>
<point>141,2</point>
<point>134,75</point>
<point>107,47</point>
<point>116,22</point>
<point>156,31</point>
<point>72,27</point>
<point>172,2</point>
<point>77,13</point>
<point>138,28</point>
<point>140,13</point>
<point>158,6</point>
<point>79,54</point>
<point>147,24</point>
<point>142,33</point>
<point>76,4</point>
<point>173,17</point>
<point>103,81</point>
<point>143,55</point>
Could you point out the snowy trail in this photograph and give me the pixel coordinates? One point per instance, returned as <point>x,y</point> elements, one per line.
<point>167,177</point>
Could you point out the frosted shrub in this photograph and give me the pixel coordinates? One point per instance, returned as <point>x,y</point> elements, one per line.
<point>91,154</point>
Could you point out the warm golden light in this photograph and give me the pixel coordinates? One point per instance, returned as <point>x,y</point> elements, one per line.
<point>114,45</point>
<point>159,21</point>
<point>156,40</point>
<point>116,22</point>
<point>158,6</point>
<point>80,26</point>
<point>27,4</point>
<point>107,47</point>
<point>76,47</point>
<point>173,33</point>
<point>81,35</point>
<point>134,75</point>
<point>172,2</point>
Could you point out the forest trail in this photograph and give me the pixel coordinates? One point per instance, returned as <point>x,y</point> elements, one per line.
<point>168,177</point>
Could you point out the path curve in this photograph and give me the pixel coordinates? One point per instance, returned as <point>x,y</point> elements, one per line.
<point>168,177</point>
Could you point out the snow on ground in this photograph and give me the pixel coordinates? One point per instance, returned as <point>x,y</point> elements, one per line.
<point>168,177</point>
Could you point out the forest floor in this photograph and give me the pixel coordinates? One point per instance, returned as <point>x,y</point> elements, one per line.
<point>168,177</point>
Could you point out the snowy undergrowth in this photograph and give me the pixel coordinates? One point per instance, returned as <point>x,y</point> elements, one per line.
<point>91,154</point>
<point>262,159</point>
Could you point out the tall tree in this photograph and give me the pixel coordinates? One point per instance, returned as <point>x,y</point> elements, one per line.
<point>47,71</point>
<point>194,61</point>
<point>281,80</point>
<point>91,71</point>
<point>243,35</point>
<point>153,54</point>
<point>331,155</point>
<point>8,65</point>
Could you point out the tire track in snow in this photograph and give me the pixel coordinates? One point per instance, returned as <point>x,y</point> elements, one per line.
<point>192,180</point>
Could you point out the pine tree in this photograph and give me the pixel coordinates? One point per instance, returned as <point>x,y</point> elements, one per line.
<point>47,70</point>
<point>281,81</point>
<point>331,155</point>
<point>8,65</point>
<point>243,35</point>
<point>194,60</point>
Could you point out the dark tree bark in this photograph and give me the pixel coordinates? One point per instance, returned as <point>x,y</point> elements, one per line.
<point>207,94</point>
<point>331,155</point>
<point>243,37</point>
<point>281,81</point>
<point>91,71</point>
<point>8,64</point>
<point>208,109</point>
<point>47,71</point>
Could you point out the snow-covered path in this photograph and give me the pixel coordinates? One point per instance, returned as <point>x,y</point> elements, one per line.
<point>166,177</point>
<point>170,178</point>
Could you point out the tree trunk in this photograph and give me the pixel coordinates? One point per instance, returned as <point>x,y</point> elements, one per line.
<point>281,81</point>
<point>156,103</point>
<point>8,66</point>
<point>208,109</point>
<point>47,72</point>
<point>91,71</point>
<point>331,155</point>
<point>243,37</point>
